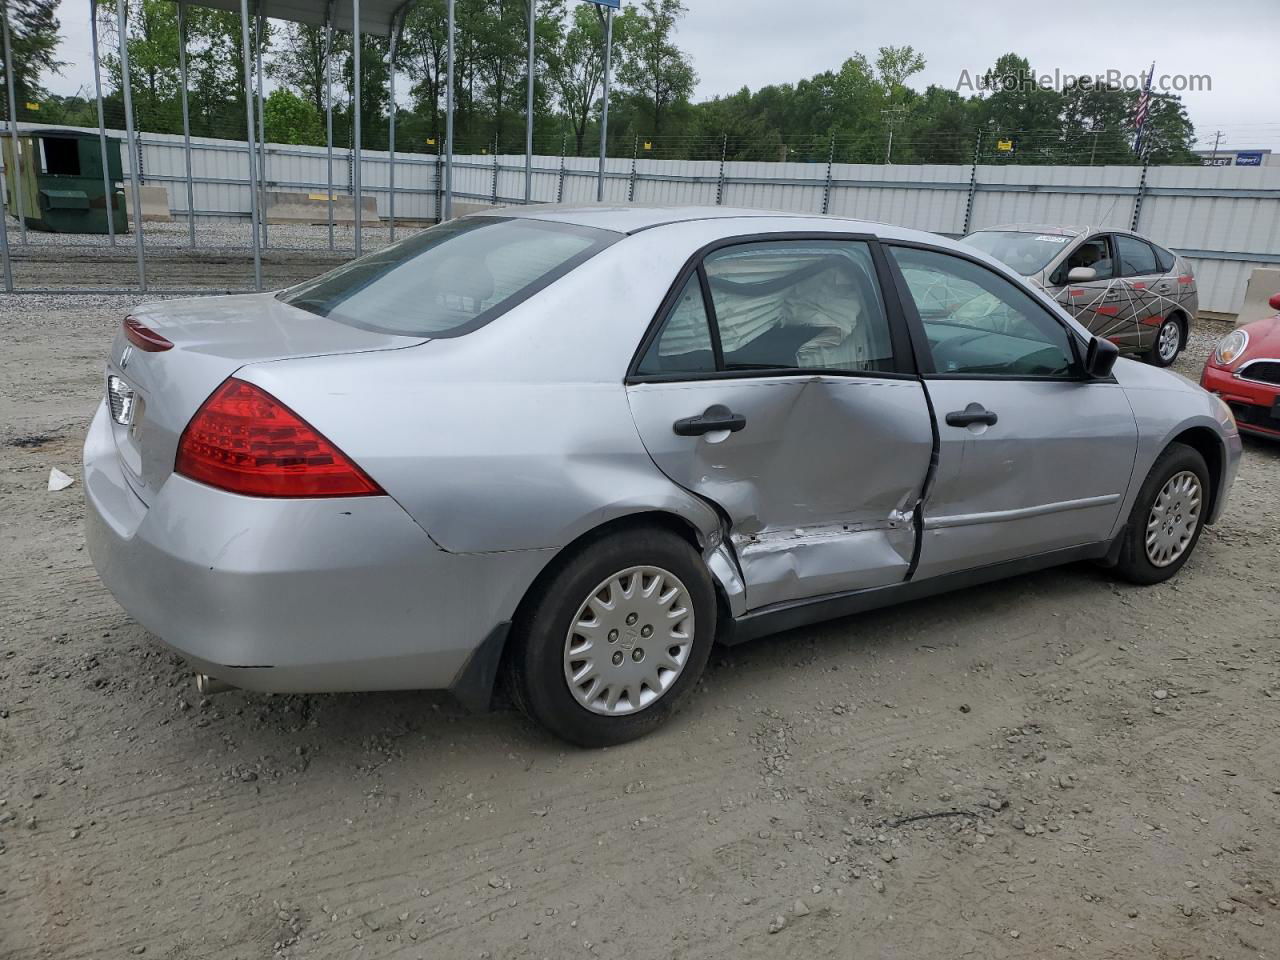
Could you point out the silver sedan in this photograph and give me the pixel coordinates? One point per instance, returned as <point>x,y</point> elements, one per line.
<point>571,449</point>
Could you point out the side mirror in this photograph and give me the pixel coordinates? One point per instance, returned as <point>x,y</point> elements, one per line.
<point>1100,358</point>
<point>1081,275</point>
<point>1275,301</point>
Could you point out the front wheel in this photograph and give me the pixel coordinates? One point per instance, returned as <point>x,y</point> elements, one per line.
<point>616,639</point>
<point>1168,343</point>
<point>1167,517</point>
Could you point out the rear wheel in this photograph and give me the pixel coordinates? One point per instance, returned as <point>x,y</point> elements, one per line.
<point>616,639</point>
<point>1167,517</point>
<point>1169,342</point>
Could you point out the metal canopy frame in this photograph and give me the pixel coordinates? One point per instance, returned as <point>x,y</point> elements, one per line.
<point>359,17</point>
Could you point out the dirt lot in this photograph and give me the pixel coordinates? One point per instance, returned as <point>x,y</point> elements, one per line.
<point>1116,751</point>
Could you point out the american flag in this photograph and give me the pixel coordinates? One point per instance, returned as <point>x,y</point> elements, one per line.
<point>1142,109</point>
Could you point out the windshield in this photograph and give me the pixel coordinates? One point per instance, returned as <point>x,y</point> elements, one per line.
<point>450,279</point>
<point>1027,253</point>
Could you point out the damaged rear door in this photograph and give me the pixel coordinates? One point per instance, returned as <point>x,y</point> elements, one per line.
<point>775,386</point>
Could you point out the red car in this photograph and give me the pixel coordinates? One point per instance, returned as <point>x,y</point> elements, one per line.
<point>1244,369</point>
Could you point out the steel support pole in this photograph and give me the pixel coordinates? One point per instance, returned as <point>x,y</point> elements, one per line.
<point>560,178</point>
<point>396,23</point>
<point>724,149</point>
<point>328,110</point>
<point>259,33</point>
<point>826,190</point>
<point>16,179</point>
<point>631,182</point>
<point>1142,190</point>
<point>448,123</point>
<point>127,88</point>
<point>4,246</point>
<point>355,113</point>
<point>253,166</point>
<point>108,188</point>
<point>528,110</point>
<point>604,107</point>
<point>186,119</point>
<point>973,185</point>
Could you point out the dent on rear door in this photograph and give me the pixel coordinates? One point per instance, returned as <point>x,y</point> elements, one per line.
<point>819,487</point>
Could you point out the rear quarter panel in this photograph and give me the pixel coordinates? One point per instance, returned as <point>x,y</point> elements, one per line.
<point>517,435</point>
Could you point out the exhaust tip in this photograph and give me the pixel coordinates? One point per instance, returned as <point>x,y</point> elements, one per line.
<point>207,686</point>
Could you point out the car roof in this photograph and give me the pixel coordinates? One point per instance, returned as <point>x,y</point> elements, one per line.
<point>1053,229</point>
<point>1059,230</point>
<point>632,218</point>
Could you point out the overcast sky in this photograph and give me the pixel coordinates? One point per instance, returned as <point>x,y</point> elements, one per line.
<point>736,43</point>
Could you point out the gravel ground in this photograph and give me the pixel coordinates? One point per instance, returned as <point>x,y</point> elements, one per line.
<point>1057,765</point>
<point>212,235</point>
<point>223,260</point>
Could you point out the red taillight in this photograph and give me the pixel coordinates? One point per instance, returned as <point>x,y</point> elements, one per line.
<point>144,338</point>
<point>245,440</point>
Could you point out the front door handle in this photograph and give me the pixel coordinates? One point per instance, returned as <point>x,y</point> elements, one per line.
<point>973,413</point>
<point>715,417</point>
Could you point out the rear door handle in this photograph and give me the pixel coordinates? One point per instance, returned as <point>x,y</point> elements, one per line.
<point>715,417</point>
<point>973,413</point>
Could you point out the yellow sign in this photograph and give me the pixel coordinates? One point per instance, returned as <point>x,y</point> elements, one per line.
<point>431,141</point>
<point>33,106</point>
<point>648,145</point>
<point>1005,146</point>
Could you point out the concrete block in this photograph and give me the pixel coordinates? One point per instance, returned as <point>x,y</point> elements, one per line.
<point>281,207</point>
<point>155,204</point>
<point>1264,283</point>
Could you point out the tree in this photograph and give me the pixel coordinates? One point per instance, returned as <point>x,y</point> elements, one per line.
<point>374,95</point>
<point>291,119</point>
<point>895,65</point>
<point>33,38</point>
<point>302,63</point>
<point>577,70</point>
<point>424,46</point>
<point>658,72</point>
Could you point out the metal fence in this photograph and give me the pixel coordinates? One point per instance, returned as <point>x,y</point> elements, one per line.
<point>1225,220</point>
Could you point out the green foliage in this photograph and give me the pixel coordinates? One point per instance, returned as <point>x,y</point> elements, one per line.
<point>291,119</point>
<point>658,74</point>
<point>33,38</point>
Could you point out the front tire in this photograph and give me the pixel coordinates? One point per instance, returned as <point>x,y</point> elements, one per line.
<point>1168,343</point>
<point>616,638</point>
<point>1167,518</point>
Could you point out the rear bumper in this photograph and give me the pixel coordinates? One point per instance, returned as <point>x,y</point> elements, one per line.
<point>294,595</point>
<point>1251,402</point>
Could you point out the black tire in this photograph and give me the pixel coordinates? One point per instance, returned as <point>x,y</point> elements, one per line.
<point>1134,564</point>
<point>1171,327</point>
<point>536,668</point>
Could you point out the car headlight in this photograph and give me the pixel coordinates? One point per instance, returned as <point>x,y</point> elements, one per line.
<point>1226,416</point>
<point>1231,348</point>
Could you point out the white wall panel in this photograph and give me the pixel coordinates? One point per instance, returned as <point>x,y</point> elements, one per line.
<point>1226,218</point>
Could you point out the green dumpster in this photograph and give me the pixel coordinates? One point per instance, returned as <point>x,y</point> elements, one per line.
<point>59,174</point>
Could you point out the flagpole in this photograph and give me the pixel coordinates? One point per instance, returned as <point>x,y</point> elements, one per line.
<point>1142,111</point>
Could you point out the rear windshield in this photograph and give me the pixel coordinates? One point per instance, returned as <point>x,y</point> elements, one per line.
<point>450,279</point>
<point>1027,253</point>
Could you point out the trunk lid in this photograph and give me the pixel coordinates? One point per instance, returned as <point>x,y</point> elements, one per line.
<point>212,338</point>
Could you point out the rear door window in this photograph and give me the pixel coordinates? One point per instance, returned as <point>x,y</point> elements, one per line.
<point>1135,256</point>
<point>452,278</point>
<point>799,305</point>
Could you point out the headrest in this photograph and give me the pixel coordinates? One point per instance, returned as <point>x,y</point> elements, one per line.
<point>468,277</point>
